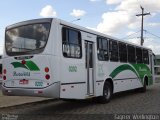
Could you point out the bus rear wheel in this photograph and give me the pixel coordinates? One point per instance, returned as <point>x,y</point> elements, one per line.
<point>107,93</point>
<point>144,88</point>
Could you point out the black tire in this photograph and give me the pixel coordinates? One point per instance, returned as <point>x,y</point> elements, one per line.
<point>107,93</point>
<point>144,88</point>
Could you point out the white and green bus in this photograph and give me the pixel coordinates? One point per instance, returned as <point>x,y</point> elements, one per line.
<point>56,59</point>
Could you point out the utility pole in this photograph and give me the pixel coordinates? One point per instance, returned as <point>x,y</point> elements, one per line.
<point>143,14</point>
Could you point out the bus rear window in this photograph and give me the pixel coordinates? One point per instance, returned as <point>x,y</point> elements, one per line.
<point>27,39</point>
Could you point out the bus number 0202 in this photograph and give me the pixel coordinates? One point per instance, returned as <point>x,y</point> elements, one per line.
<point>39,84</point>
<point>72,68</point>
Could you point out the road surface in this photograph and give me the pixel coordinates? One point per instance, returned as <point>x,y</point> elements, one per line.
<point>126,103</point>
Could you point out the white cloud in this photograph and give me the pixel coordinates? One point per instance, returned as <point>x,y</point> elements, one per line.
<point>48,11</point>
<point>134,5</point>
<point>129,5</point>
<point>130,33</point>
<point>124,15</point>
<point>123,18</point>
<point>134,24</point>
<point>154,48</point>
<point>113,21</point>
<point>77,13</point>
<point>153,24</point>
<point>150,43</point>
<point>110,2</point>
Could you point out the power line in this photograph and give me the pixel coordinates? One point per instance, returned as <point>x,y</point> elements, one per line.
<point>131,35</point>
<point>76,20</point>
<point>145,37</point>
<point>152,34</point>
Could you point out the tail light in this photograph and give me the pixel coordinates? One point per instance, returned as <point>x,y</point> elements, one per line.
<point>46,69</point>
<point>47,77</point>
<point>4,77</point>
<point>4,74</point>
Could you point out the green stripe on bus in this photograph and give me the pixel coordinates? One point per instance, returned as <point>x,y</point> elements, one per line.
<point>143,70</point>
<point>139,69</point>
<point>30,65</point>
<point>122,68</point>
<point>18,65</point>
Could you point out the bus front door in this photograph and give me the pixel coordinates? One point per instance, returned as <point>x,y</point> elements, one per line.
<point>89,67</point>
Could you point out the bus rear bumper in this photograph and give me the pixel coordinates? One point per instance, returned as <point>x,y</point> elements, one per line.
<point>51,91</point>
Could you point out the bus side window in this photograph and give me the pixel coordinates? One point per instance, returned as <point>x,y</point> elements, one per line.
<point>139,55</point>
<point>0,68</point>
<point>131,54</point>
<point>122,52</point>
<point>145,57</point>
<point>113,50</point>
<point>71,43</point>
<point>102,49</point>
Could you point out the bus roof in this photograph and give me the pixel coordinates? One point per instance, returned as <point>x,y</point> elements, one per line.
<point>96,33</point>
<point>71,25</point>
<point>29,22</point>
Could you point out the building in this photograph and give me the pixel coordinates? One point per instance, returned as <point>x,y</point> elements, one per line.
<point>157,68</point>
<point>157,60</point>
<point>0,68</point>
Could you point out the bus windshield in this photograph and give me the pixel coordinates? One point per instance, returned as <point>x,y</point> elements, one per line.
<point>27,39</point>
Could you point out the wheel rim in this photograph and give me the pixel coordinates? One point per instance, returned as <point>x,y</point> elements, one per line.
<point>107,93</point>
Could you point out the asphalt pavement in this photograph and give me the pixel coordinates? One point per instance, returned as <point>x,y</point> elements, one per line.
<point>123,105</point>
<point>7,101</point>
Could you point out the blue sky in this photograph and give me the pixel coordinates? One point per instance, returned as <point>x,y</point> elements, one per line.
<point>113,17</point>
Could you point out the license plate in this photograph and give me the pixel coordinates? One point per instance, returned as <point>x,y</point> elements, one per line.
<point>38,84</point>
<point>23,82</point>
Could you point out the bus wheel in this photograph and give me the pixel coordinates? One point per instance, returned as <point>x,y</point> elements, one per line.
<point>143,89</point>
<point>107,93</point>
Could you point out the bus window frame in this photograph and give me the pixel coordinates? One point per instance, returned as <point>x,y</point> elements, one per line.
<point>111,51</point>
<point>67,42</point>
<point>35,51</point>
<point>101,50</point>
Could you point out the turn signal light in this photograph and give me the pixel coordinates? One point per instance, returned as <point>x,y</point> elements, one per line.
<point>47,77</point>
<point>4,71</point>
<point>46,69</point>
